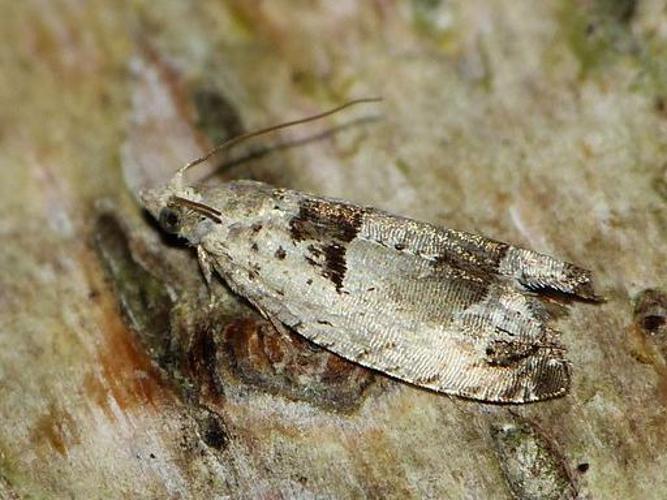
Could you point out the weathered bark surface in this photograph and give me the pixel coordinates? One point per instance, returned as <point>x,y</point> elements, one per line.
<point>543,124</point>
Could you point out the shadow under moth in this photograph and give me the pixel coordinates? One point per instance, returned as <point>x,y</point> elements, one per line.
<point>447,310</point>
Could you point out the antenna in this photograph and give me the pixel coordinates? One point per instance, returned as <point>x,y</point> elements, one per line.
<point>240,138</point>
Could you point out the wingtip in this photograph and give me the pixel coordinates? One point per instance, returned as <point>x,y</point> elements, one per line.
<point>584,285</point>
<point>541,379</point>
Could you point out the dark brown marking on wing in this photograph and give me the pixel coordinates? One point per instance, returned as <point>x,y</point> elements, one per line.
<point>552,379</point>
<point>335,265</point>
<point>279,194</point>
<point>330,258</point>
<point>315,250</point>
<point>513,392</point>
<point>322,220</point>
<point>361,354</point>
<point>280,253</point>
<point>254,272</point>
<point>311,261</point>
<point>428,379</point>
<point>505,353</point>
<point>472,261</point>
<point>548,380</point>
<point>582,283</point>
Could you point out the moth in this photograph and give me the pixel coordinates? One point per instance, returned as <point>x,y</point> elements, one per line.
<point>446,310</point>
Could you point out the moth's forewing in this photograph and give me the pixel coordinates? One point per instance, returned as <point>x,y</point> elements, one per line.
<point>437,308</point>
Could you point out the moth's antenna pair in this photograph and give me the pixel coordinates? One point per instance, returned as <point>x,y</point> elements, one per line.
<point>214,214</point>
<point>236,140</point>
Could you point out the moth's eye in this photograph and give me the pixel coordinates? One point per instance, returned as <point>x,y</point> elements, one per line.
<point>169,220</point>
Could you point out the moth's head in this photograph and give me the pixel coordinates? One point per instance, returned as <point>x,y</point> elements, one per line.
<point>179,211</point>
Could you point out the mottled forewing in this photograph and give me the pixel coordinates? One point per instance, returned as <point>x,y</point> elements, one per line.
<point>438,308</point>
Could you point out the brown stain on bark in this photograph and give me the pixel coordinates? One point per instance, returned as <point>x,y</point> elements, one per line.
<point>124,370</point>
<point>337,369</point>
<point>293,367</point>
<point>58,428</point>
<point>144,300</point>
<point>96,392</point>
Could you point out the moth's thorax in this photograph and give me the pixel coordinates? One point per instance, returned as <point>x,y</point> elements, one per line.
<point>240,200</point>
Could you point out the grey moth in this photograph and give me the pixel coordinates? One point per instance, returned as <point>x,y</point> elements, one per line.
<point>446,310</point>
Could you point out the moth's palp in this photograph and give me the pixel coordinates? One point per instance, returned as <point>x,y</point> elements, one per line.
<point>236,140</point>
<point>205,210</point>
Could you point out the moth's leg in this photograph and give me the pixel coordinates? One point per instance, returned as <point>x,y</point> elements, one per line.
<point>206,266</point>
<point>275,322</point>
<point>280,328</point>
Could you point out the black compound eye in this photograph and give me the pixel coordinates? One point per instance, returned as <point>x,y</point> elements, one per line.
<point>169,220</point>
